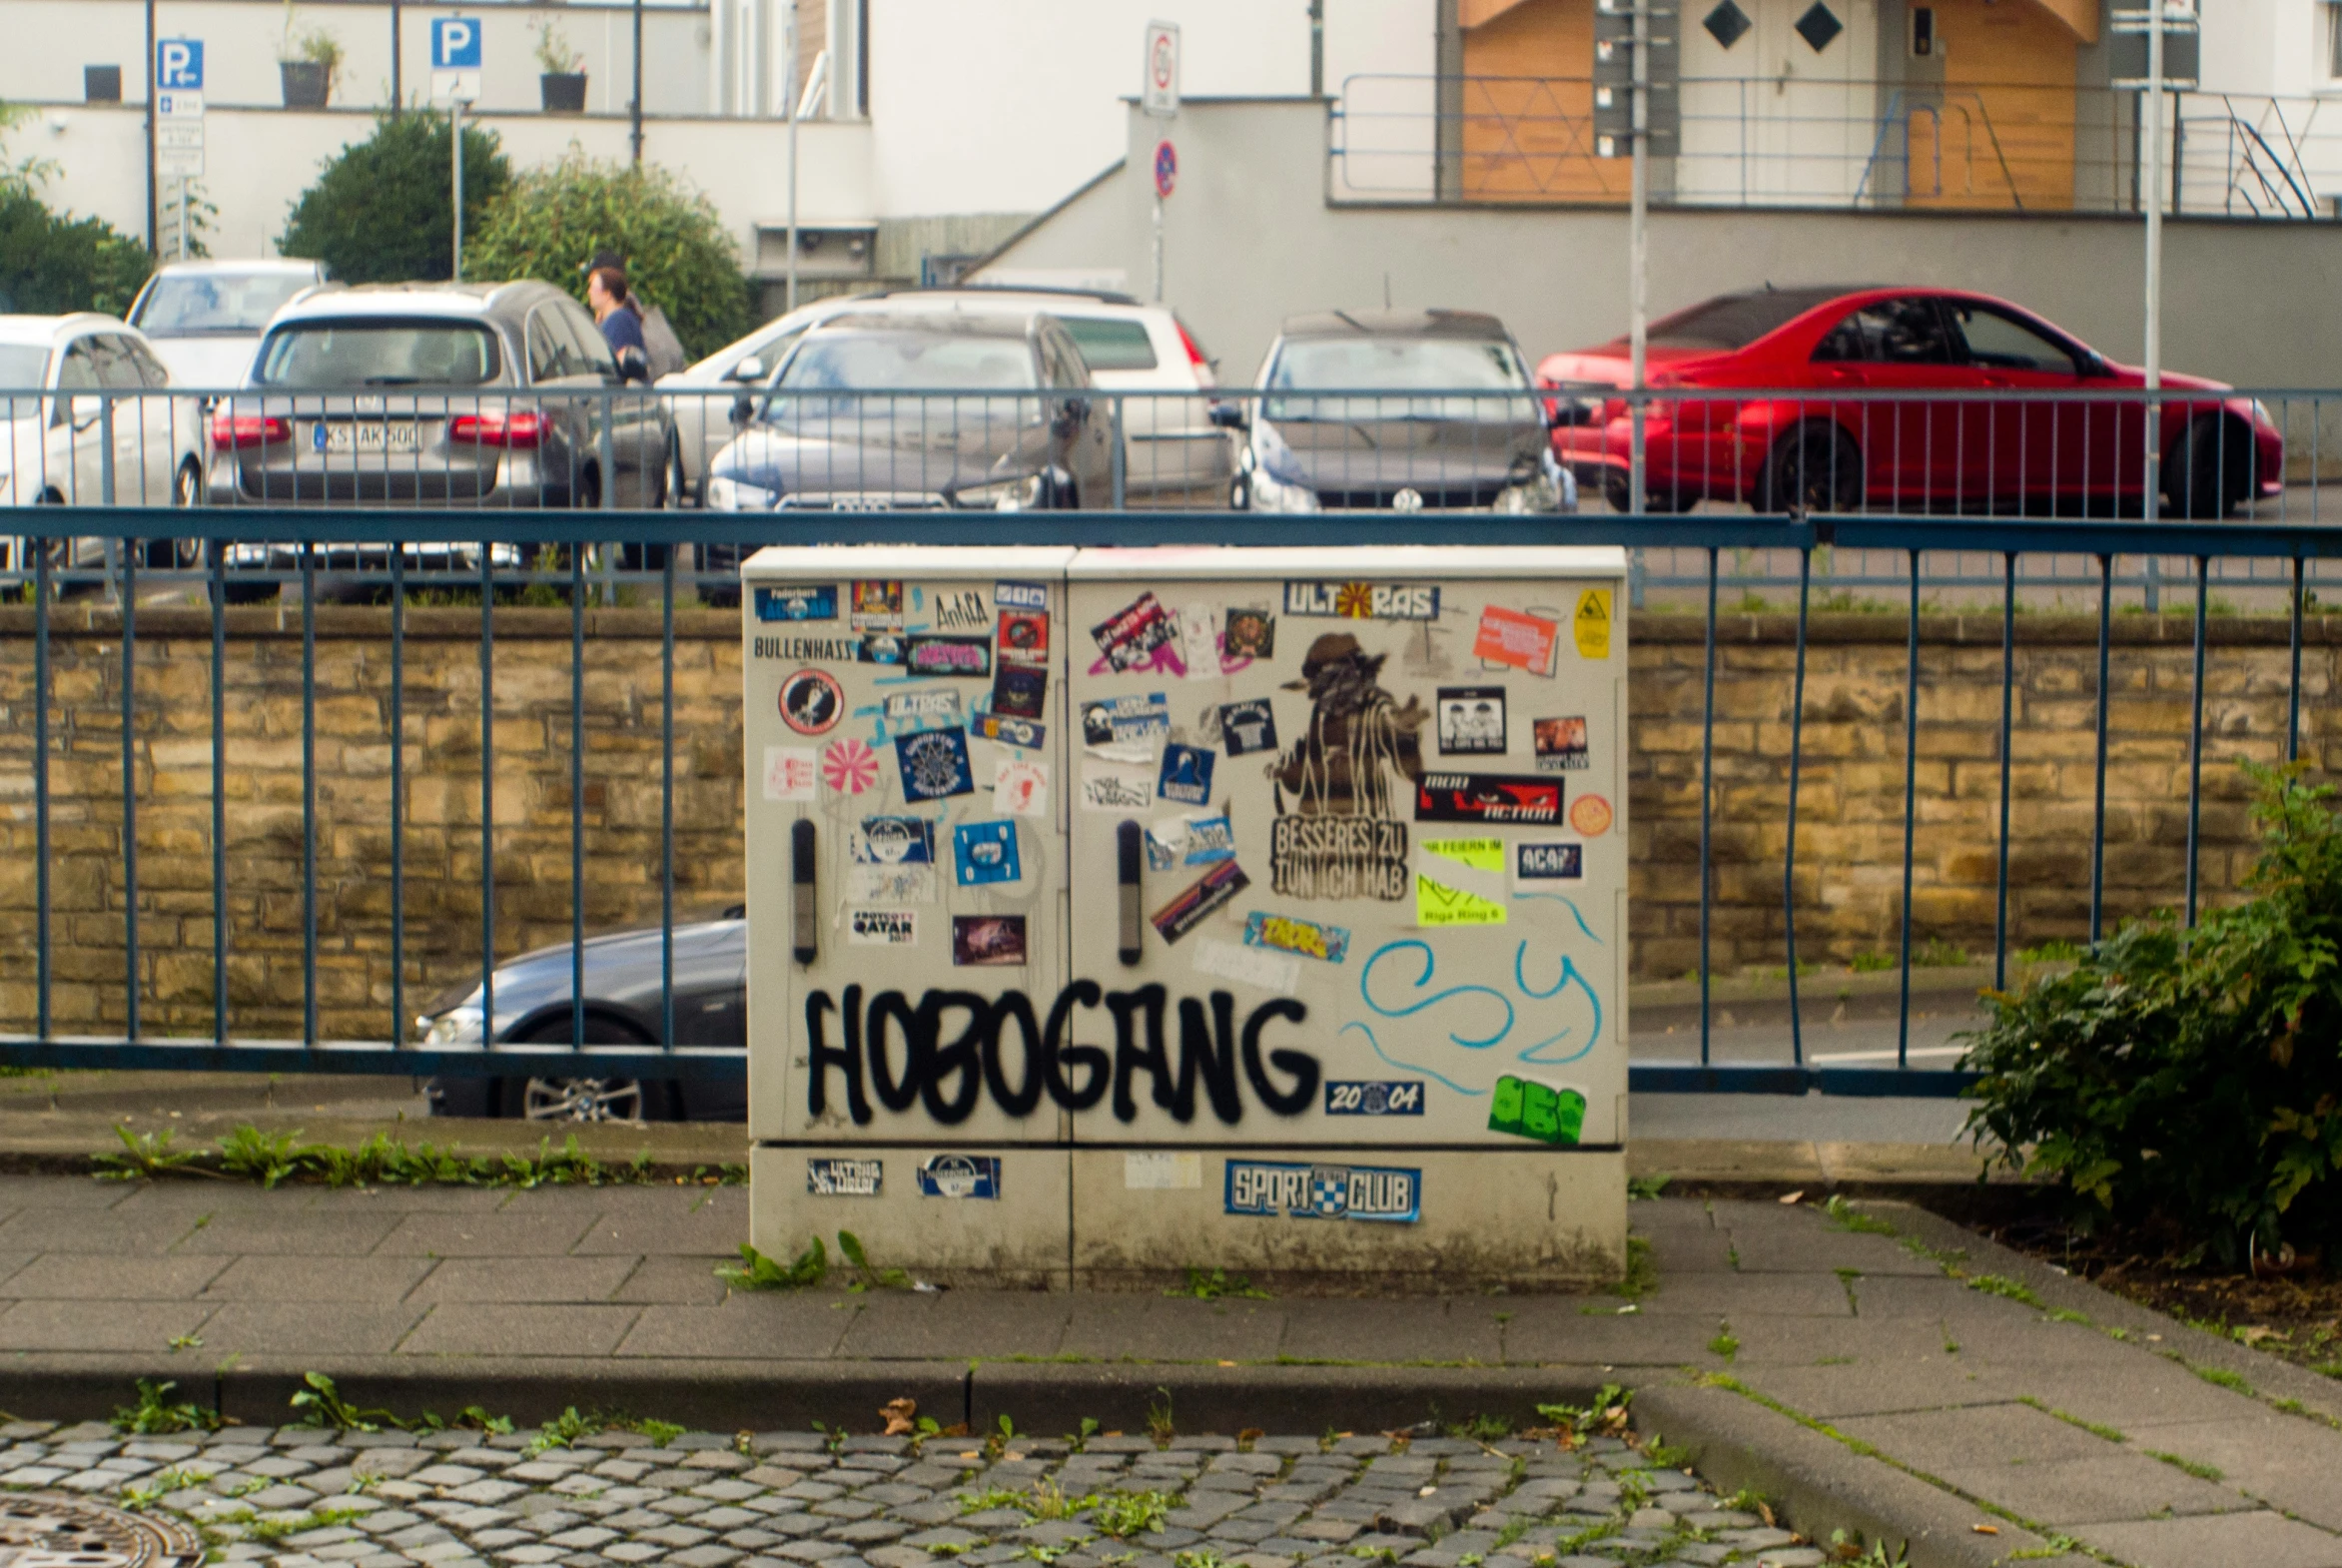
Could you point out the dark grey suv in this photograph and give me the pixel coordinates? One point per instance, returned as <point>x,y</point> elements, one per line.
<point>422,395</point>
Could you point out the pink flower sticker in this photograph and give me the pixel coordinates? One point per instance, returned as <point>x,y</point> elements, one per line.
<point>849,766</point>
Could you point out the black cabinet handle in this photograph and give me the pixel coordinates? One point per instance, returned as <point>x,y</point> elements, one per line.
<point>804,917</point>
<point>1127,835</point>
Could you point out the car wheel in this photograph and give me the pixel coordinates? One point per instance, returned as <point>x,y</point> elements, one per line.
<point>2208,471</point>
<point>1815,468</point>
<point>582,1099</point>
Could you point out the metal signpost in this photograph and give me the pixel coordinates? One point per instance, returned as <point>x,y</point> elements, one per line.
<point>1637,111</point>
<point>456,71</point>
<point>1110,909</point>
<point>179,121</point>
<point>2153,51</point>
<point>1160,97</point>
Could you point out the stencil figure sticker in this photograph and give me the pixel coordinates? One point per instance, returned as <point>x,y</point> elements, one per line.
<point>1340,837</point>
<point>1471,721</point>
<point>1187,775</point>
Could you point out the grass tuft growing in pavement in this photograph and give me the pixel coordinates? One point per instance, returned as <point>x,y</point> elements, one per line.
<point>2000,1285</point>
<point>1125,1514</point>
<point>2196,1468</point>
<point>157,1413</point>
<point>1846,1218</point>
<point>1217,1283</point>
<point>249,1154</point>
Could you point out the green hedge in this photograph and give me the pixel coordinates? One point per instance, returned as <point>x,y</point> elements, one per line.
<point>2192,1081</point>
<point>50,264</point>
<point>381,210</point>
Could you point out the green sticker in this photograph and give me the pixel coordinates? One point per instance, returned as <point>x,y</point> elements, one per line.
<point>1527,1108</point>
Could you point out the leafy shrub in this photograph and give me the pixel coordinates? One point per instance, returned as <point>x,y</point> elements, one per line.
<point>50,264</point>
<point>678,254</point>
<point>381,208</point>
<point>2193,1080</point>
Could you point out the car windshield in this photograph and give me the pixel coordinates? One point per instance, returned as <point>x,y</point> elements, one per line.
<point>1734,321</point>
<point>326,354</point>
<point>1402,369</point>
<point>863,362</point>
<point>1109,345</point>
<point>194,304</point>
<point>23,366</point>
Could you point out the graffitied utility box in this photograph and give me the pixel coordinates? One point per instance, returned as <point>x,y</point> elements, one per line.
<point>1113,912</point>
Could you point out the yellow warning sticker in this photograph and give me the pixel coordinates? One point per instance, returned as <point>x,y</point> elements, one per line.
<point>1479,854</point>
<point>1438,905</point>
<point>1591,624</point>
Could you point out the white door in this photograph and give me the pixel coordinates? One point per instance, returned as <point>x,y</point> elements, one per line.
<point>1769,116</point>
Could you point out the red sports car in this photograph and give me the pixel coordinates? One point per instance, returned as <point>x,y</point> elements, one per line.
<point>1957,445</point>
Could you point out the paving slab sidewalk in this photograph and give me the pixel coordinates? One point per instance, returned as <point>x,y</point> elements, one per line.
<point>1926,1369</point>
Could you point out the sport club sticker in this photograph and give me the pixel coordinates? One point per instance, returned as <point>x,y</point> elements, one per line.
<point>1376,1098</point>
<point>1136,721</point>
<point>1335,834</point>
<point>806,603</point>
<point>960,1176</point>
<point>1248,634</point>
<point>1363,601</point>
<point>1488,797</point>
<point>877,605</point>
<point>1516,640</point>
<point>1590,815</point>
<point>790,773</point>
<point>986,852</point>
<point>962,607</point>
<point>1548,862</point>
<point>934,764</point>
<point>908,712</point>
<point>1187,775</point>
<point>1248,726</point>
<point>1020,788</point>
<point>883,928</point>
<point>1286,933</point>
<point>1548,1113</point>
<point>812,701</point>
<point>1131,638</point>
<point>987,941</point>
<point>1461,896</point>
<point>1208,892</point>
<point>848,766</point>
<point>967,657</point>
<point>1591,624</point>
<point>1561,745</point>
<point>845,1178</point>
<point>1471,721</point>
<point>893,840</point>
<point>1388,1194</point>
<point>1024,734</point>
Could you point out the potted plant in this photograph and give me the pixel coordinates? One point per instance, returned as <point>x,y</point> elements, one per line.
<point>564,81</point>
<point>308,60</point>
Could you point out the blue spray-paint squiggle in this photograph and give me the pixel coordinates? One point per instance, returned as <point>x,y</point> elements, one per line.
<point>1569,974</point>
<point>1423,978</point>
<point>1409,1066</point>
<point>1571,906</point>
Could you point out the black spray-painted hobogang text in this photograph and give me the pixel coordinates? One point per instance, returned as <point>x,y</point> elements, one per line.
<point>951,1047</point>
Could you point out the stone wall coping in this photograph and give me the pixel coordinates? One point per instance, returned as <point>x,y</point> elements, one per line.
<point>530,623</point>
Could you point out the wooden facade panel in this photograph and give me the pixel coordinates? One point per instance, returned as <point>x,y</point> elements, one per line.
<point>2005,133</point>
<point>1527,132</point>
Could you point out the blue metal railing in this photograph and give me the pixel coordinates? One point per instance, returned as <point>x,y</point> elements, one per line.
<point>135,1047</point>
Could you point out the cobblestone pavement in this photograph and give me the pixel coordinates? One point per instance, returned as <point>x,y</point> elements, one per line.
<point>305,1497</point>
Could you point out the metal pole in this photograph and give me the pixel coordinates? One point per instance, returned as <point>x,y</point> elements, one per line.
<point>637,106</point>
<point>455,126</point>
<point>1158,250</point>
<point>1316,48</point>
<point>792,90</point>
<point>1639,249</point>
<point>398,81</point>
<point>2154,138</point>
<point>154,183</point>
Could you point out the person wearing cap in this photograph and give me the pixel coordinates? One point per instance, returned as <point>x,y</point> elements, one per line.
<point>621,323</point>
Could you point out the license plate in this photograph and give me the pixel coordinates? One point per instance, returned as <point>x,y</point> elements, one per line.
<point>365,437</point>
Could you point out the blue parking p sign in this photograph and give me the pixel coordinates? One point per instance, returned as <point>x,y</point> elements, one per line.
<point>455,43</point>
<point>179,64</point>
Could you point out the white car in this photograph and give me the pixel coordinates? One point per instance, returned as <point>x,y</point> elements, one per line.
<point>204,319</point>
<point>52,371</point>
<point>1176,455</point>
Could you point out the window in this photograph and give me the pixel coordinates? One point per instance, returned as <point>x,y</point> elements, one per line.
<point>2334,41</point>
<point>1420,366</point>
<point>188,305</point>
<point>1734,321</point>
<point>395,352</point>
<point>1109,345</point>
<point>1845,344</point>
<point>24,367</point>
<point>905,361</point>
<point>78,372</point>
<point>549,350</point>
<point>117,365</point>
<point>589,349</point>
<point>2002,343</point>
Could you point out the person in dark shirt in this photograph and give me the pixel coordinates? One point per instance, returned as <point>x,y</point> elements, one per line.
<point>621,325</point>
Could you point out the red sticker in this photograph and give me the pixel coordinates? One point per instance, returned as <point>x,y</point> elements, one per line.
<point>1525,642</point>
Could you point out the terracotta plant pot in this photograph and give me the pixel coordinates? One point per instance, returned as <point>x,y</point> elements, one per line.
<point>306,83</point>
<point>564,90</point>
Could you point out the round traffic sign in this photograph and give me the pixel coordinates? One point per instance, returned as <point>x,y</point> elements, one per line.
<point>1167,168</point>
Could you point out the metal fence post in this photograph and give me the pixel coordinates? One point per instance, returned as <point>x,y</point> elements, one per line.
<point>1120,457</point>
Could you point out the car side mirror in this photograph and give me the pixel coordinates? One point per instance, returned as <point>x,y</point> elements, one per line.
<point>1228,415</point>
<point>749,369</point>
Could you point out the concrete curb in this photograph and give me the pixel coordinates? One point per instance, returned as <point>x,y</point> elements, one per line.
<point>1369,1398</point>
<point>1819,1484</point>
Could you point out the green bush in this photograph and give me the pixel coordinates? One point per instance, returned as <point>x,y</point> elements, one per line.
<point>381,211</point>
<point>2193,1079</point>
<point>678,255</point>
<point>50,264</point>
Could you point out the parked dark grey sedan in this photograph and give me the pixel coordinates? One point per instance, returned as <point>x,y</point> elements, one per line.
<point>921,410</point>
<point>623,979</point>
<point>428,394</point>
<point>1397,409</point>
